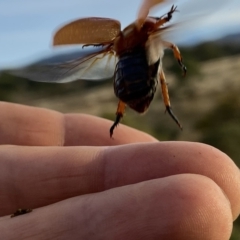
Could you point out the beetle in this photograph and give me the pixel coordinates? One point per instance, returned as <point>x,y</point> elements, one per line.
<point>132,56</point>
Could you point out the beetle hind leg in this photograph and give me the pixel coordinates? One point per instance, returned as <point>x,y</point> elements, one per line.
<point>166,98</point>
<point>177,55</point>
<point>119,115</point>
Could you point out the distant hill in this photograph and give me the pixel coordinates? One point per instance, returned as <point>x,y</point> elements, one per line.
<point>230,39</point>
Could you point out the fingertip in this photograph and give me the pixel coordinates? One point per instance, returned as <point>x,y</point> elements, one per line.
<point>161,159</point>
<point>201,207</point>
<point>225,173</point>
<point>185,206</point>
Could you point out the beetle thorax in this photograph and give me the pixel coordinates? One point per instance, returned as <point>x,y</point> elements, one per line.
<point>131,37</point>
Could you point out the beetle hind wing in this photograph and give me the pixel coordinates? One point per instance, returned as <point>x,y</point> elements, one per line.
<point>90,63</point>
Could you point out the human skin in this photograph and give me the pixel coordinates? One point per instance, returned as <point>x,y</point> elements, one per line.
<point>82,184</point>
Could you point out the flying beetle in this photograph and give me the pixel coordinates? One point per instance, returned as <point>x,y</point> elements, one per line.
<point>132,56</point>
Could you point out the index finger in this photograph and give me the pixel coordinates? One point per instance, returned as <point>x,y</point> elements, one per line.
<point>31,126</point>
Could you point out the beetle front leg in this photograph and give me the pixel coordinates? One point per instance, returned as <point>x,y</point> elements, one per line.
<point>119,115</point>
<point>166,98</point>
<point>177,55</point>
<point>161,21</point>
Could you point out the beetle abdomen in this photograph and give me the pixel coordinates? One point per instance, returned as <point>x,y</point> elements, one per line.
<point>135,81</point>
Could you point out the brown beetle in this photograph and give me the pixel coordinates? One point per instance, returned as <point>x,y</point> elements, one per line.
<point>139,52</point>
<point>132,56</point>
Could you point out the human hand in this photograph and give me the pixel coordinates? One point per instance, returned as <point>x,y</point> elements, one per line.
<point>83,185</point>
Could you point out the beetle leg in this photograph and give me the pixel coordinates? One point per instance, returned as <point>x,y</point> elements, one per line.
<point>177,55</point>
<point>162,20</point>
<point>166,98</point>
<point>119,115</point>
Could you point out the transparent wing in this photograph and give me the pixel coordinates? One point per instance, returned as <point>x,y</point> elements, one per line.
<point>90,63</point>
<point>190,16</point>
<point>195,10</point>
<point>88,31</point>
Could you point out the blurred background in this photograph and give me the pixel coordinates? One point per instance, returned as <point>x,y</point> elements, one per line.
<point>206,101</point>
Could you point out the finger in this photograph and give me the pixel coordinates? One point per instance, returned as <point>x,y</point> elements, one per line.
<point>179,207</point>
<point>40,176</point>
<point>94,131</point>
<point>30,126</point>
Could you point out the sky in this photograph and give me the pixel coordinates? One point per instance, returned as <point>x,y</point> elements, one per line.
<point>27,26</point>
